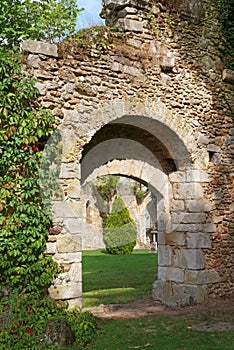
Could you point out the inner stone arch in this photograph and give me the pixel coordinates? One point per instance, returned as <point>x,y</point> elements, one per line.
<point>154,179</point>
<point>122,131</point>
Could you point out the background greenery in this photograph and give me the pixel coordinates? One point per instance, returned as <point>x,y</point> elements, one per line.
<point>120,230</point>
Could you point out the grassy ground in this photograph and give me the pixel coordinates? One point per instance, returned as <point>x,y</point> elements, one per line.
<point>163,332</point>
<point>117,279</point>
<point>110,279</point>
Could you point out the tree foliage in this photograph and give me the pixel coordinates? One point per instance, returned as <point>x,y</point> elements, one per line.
<point>48,20</point>
<point>105,190</point>
<point>120,230</point>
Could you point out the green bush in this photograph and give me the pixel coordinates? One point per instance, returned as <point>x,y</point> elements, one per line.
<point>120,231</point>
<point>29,316</point>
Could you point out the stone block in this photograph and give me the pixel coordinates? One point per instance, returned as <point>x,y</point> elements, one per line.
<point>73,226</point>
<point>193,259</point>
<point>188,218</point>
<point>197,176</point>
<point>62,209</point>
<point>69,171</point>
<point>161,290</point>
<point>51,247</point>
<point>171,274</point>
<point>177,205</point>
<point>73,189</point>
<point>197,293</point>
<point>41,88</point>
<point>116,67</point>
<point>198,205</point>
<point>177,260</point>
<point>33,60</point>
<point>216,158</point>
<point>175,238</point>
<point>165,77</point>
<point>68,244</point>
<point>167,62</point>
<point>135,72</point>
<point>39,47</point>
<point>202,139</point>
<point>178,176</point>
<point>198,240</point>
<point>164,255</point>
<point>178,297</point>
<point>191,277</point>
<point>127,10</point>
<point>76,302</point>
<point>213,148</point>
<point>217,195</point>
<point>130,25</point>
<point>208,276</point>
<point>67,291</point>
<point>68,258</point>
<point>188,191</point>
<point>161,238</point>
<point>210,228</point>
<point>202,277</point>
<point>71,115</point>
<point>187,227</point>
<point>75,272</point>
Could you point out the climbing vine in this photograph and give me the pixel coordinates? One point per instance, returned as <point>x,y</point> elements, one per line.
<point>226,15</point>
<point>24,222</point>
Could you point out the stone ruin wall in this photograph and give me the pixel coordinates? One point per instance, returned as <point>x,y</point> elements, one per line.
<point>162,57</point>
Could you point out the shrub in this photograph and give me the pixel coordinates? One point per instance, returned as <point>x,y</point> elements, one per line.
<point>120,231</point>
<point>29,316</point>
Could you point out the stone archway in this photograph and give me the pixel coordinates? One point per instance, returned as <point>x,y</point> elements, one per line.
<point>152,178</point>
<point>165,144</point>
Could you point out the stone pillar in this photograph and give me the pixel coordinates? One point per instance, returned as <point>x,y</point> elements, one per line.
<point>182,273</point>
<point>67,243</point>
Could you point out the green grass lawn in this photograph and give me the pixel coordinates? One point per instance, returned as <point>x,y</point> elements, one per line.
<point>161,332</point>
<point>109,279</point>
<point>117,279</point>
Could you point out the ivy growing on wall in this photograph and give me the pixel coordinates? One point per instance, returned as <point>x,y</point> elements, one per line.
<point>226,14</point>
<point>25,127</point>
<point>24,222</point>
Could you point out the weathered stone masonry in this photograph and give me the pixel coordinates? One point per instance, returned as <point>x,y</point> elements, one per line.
<point>162,79</point>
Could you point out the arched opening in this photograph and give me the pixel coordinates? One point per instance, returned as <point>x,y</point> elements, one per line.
<point>144,150</point>
<point>116,278</point>
<point>148,144</point>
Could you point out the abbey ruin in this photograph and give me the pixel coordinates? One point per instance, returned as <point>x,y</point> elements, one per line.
<point>146,98</point>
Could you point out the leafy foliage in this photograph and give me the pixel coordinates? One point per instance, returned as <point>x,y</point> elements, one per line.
<point>94,41</point>
<point>105,189</point>
<point>120,230</point>
<point>226,14</point>
<point>32,19</point>
<point>29,316</point>
<point>24,223</point>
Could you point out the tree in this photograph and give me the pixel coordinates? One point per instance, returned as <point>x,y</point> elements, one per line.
<point>105,189</point>
<point>48,20</point>
<point>120,231</point>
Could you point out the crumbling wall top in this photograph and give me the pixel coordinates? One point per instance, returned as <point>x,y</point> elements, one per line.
<point>115,10</point>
